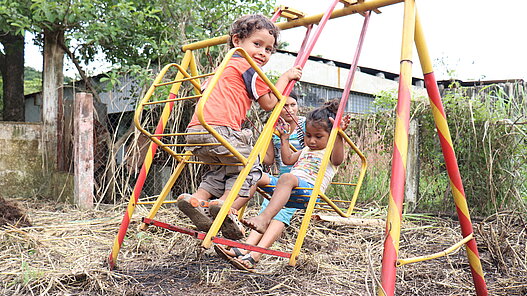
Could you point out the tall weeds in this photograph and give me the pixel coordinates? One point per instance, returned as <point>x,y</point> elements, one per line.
<point>488,126</point>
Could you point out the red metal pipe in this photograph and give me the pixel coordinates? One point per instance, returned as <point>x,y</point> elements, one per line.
<point>353,69</point>
<point>219,240</point>
<point>136,193</point>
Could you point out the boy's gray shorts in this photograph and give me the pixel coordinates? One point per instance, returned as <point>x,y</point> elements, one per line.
<point>221,177</point>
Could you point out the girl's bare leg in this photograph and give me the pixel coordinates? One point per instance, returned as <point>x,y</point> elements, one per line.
<point>281,195</point>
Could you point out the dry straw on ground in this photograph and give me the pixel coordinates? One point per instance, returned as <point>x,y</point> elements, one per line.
<point>64,253</point>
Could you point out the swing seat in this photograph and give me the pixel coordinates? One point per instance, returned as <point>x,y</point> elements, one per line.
<point>298,199</point>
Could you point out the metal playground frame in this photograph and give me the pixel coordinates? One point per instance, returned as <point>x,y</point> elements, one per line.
<point>187,73</point>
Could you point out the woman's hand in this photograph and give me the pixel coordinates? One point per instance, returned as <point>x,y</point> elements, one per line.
<point>283,127</point>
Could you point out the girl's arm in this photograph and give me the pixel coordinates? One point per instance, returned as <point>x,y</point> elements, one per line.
<point>269,154</point>
<point>269,100</point>
<point>288,156</point>
<point>338,154</point>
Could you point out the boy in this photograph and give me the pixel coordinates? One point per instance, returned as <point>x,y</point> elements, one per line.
<point>225,110</point>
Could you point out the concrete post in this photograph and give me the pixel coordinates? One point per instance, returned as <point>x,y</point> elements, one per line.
<point>83,150</point>
<point>412,166</point>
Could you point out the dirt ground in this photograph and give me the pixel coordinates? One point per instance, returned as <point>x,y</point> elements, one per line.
<point>49,248</point>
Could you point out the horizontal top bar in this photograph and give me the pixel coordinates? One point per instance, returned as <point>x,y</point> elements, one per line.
<point>304,21</point>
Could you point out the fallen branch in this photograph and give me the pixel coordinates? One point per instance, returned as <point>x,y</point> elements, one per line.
<point>350,220</point>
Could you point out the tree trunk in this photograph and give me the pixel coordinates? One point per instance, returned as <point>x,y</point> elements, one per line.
<point>52,80</point>
<point>12,68</point>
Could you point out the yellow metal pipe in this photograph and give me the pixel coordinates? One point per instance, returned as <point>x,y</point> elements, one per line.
<point>304,21</point>
<point>194,72</point>
<point>343,183</point>
<point>450,158</point>
<point>193,80</point>
<point>453,248</point>
<point>364,166</point>
<point>261,144</point>
<point>174,100</point>
<point>422,48</point>
<point>313,198</point>
<point>166,189</point>
<point>332,204</point>
<point>153,202</point>
<point>167,109</point>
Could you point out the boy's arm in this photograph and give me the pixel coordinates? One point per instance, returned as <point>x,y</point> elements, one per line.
<point>269,100</point>
<point>338,154</point>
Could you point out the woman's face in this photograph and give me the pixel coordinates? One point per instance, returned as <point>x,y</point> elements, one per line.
<point>290,110</point>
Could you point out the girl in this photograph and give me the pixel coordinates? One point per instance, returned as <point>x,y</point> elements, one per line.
<point>306,162</point>
<point>297,125</point>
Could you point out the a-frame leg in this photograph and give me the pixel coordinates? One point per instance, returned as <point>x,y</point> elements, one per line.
<point>145,168</point>
<point>412,29</point>
<point>450,160</point>
<point>400,150</point>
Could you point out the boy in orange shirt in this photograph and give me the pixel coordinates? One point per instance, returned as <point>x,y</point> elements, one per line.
<point>225,110</point>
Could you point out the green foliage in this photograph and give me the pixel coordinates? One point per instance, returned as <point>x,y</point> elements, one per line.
<point>139,38</point>
<point>15,16</point>
<point>385,100</point>
<point>127,32</point>
<point>32,80</point>
<point>490,148</point>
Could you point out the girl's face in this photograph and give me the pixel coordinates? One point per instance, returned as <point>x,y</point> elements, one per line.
<point>316,136</point>
<point>259,45</point>
<point>290,110</point>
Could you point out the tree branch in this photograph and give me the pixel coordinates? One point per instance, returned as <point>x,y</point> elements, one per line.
<point>86,79</point>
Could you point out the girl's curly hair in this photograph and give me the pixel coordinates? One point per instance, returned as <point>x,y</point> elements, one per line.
<point>247,24</point>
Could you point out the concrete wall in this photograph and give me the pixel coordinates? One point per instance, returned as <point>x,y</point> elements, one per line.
<point>20,159</point>
<point>21,164</point>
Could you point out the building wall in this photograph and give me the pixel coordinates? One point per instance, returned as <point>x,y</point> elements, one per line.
<point>322,81</point>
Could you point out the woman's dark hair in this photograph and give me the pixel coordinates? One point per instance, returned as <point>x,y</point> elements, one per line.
<point>320,116</point>
<point>293,95</point>
<point>247,24</point>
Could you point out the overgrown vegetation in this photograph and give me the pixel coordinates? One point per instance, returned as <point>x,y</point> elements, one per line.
<point>32,80</point>
<point>63,253</point>
<point>488,129</point>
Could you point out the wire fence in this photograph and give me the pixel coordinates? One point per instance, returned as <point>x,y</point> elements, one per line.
<point>120,149</point>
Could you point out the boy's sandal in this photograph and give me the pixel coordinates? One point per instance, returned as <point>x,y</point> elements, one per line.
<point>196,210</point>
<point>231,228</point>
<point>246,263</point>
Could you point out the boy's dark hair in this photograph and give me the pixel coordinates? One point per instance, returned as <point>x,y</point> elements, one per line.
<point>247,24</point>
<point>320,116</point>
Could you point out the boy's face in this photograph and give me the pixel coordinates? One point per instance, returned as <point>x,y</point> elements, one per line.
<point>259,45</point>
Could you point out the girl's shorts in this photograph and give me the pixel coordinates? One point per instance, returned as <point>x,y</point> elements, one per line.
<point>298,199</point>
